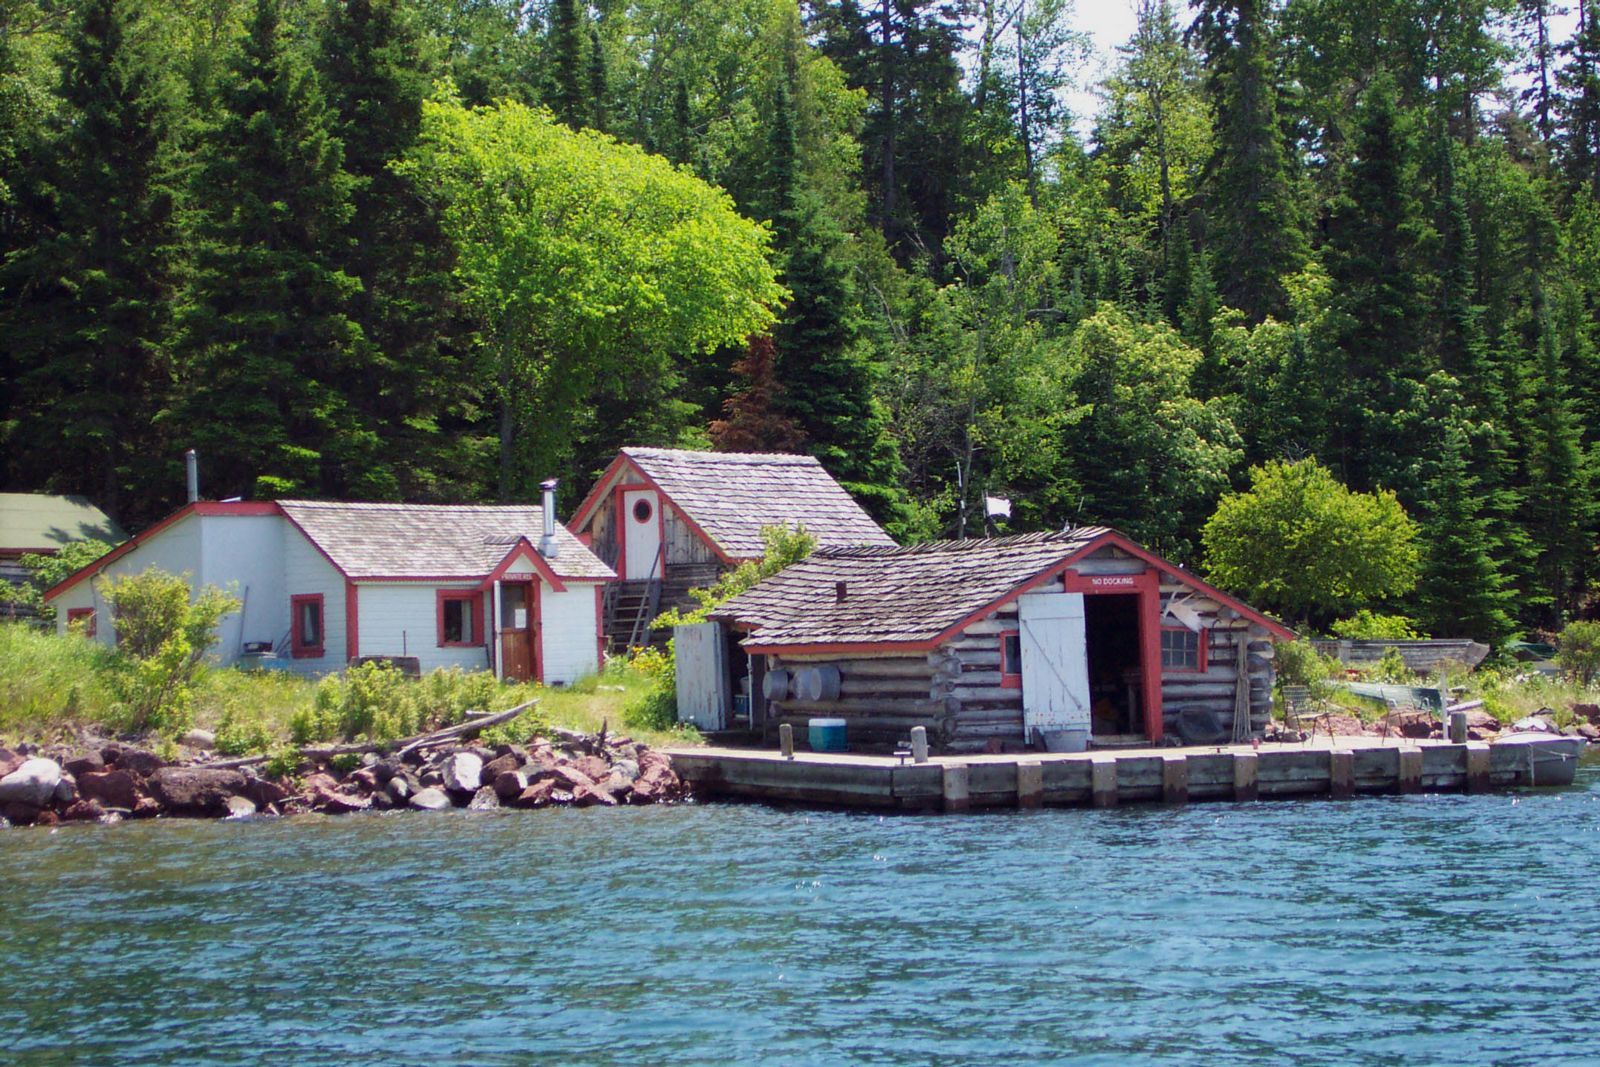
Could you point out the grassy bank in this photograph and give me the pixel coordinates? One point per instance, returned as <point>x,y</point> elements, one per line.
<point>52,687</point>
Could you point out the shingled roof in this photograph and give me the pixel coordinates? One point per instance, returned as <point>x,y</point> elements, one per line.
<point>907,595</point>
<point>433,540</point>
<point>732,495</point>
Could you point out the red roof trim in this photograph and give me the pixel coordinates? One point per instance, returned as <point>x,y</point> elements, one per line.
<point>540,567</point>
<point>581,517</point>
<point>1054,570</point>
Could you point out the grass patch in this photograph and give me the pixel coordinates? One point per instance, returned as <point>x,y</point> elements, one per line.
<point>52,686</point>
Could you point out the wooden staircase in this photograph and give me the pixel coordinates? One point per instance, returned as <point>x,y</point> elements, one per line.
<point>629,608</point>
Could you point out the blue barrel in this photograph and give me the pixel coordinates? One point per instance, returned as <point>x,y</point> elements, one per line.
<point>826,735</point>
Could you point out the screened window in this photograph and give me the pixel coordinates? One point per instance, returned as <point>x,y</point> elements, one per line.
<point>458,619</point>
<point>82,620</point>
<point>1011,660</point>
<point>306,634</point>
<point>1182,650</point>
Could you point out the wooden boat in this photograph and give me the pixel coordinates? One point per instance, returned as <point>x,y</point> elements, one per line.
<point>1549,759</point>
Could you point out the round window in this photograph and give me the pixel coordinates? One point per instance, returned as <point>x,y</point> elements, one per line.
<point>642,511</point>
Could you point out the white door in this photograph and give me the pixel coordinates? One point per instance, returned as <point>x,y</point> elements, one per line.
<point>641,531</point>
<point>1055,662</point>
<point>702,669</point>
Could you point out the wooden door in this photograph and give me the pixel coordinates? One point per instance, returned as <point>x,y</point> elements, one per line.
<point>516,632</point>
<point>641,532</point>
<point>1055,663</point>
<point>703,690</point>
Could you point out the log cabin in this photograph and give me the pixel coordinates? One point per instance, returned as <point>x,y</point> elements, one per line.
<point>320,583</point>
<point>668,520</point>
<point>1055,640</point>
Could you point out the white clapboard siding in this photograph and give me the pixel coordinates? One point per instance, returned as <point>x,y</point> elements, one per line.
<point>1055,668</point>
<point>568,633</point>
<point>703,697</point>
<point>243,554</point>
<point>305,571</point>
<point>402,619</point>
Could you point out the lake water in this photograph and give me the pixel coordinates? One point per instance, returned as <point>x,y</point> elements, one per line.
<point>1417,930</point>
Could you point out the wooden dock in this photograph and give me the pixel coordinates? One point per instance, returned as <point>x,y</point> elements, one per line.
<point>1341,767</point>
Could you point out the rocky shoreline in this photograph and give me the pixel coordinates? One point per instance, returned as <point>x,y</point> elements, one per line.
<point>45,786</point>
<point>1481,726</point>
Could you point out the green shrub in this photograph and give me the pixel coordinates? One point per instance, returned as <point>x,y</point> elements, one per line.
<point>1391,667</point>
<point>1366,625</point>
<point>47,681</point>
<point>243,732</point>
<point>1579,653</point>
<point>657,708</point>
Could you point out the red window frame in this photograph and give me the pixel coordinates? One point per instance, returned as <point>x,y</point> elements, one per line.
<point>1010,672</point>
<point>300,648</point>
<point>474,601</point>
<point>1202,642</point>
<point>91,627</point>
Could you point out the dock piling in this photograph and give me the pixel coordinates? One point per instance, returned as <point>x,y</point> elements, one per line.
<point>919,744</point>
<point>1409,776</point>
<point>1342,773</point>
<point>786,740</point>
<point>1174,778</point>
<point>1458,727</point>
<point>1103,781</point>
<point>1030,784</point>
<point>1245,765</point>
<point>957,787</point>
<point>1477,767</point>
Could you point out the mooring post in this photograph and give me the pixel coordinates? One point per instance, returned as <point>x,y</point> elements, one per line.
<point>919,744</point>
<point>1341,773</point>
<point>1245,765</point>
<point>786,739</point>
<point>1030,784</point>
<point>1174,778</point>
<point>1409,775</point>
<point>1103,781</point>
<point>1458,727</point>
<point>957,791</point>
<point>1477,767</point>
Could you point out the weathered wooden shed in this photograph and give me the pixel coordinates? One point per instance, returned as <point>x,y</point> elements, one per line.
<point>1053,640</point>
<point>668,520</point>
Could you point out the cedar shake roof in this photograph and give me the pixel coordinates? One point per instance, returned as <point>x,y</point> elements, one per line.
<point>732,495</point>
<point>433,540</point>
<point>895,595</point>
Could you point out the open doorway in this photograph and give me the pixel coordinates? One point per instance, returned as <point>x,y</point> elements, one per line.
<point>1111,632</point>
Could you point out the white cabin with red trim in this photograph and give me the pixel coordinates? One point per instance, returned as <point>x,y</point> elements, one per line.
<point>1062,639</point>
<point>323,583</point>
<point>668,520</point>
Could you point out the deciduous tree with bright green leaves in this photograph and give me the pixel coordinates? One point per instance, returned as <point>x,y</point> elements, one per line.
<point>583,258</point>
<point>1301,544</point>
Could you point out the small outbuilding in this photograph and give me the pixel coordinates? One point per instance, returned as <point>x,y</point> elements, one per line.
<point>501,588</point>
<point>39,524</point>
<point>1054,640</point>
<point>668,520</point>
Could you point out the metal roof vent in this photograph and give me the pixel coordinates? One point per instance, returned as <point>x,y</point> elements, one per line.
<point>547,544</point>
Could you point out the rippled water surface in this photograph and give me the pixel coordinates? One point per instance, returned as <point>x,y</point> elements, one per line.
<point>1440,929</point>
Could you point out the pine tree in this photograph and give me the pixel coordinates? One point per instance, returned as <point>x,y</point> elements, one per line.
<point>87,313</point>
<point>568,94</point>
<point>266,331</point>
<point>1257,238</point>
<point>374,78</point>
<point>1376,238</point>
<point>1461,591</point>
<point>1579,102</point>
<point>1557,504</point>
<point>598,86</point>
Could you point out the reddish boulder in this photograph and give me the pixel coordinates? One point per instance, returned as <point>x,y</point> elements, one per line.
<point>9,761</point>
<point>585,796</point>
<point>19,813</point>
<point>498,766</point>
<point>1587,712</point>
<point>570,776</point>
<point>196,790</point>
<point>114,789</point>
<point>140,762</point>
<point>265,792</point>
<point>84,764</point>
<point>594,767</point>
<point>537,795</point>
<point>85,810</point>
<point>508,785</point>
<point>146,808</point>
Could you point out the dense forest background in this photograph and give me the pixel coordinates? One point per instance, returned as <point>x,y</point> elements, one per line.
<point>1364,231</point>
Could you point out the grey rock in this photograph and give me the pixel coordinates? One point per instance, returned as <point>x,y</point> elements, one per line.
<point>399,788</point>
<point>34,783</point>
<point>431,799</point>
<point>626,769</point>
<point>199,739</point>
<point>87,763</point>
<point>1539,722</point>
<point>484,800</point>
<point>463,772</point>
<point>240,807</point>
<point>66,790</point>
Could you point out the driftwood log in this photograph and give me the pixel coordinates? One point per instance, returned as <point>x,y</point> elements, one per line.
<point>470,728</point>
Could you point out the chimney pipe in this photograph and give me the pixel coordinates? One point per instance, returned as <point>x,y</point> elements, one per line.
<point>192,462</point>
<point>547,544</point>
